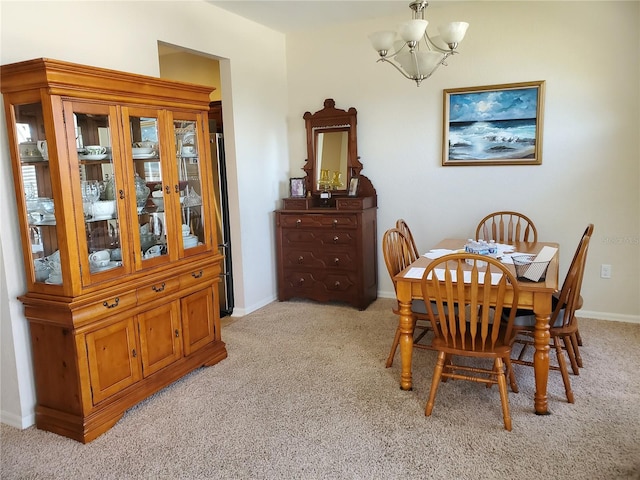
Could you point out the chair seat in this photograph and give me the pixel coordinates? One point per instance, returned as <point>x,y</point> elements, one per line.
<point>500,349</point>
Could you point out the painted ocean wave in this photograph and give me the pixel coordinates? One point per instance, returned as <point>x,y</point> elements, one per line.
<point>486,140</point>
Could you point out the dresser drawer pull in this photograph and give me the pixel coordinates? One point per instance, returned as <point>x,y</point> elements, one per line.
<point>335,239</point>
<point>336,261</point>
<point>335,222</point>
<point>337,284</point>
<point>300,281</point>
<point>111,305</point>
<point>197,275</point>
<point>298,222</point>
<point>158,289</point>
<point>300,259</point>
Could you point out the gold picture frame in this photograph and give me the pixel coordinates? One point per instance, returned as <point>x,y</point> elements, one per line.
<point>493,124</point>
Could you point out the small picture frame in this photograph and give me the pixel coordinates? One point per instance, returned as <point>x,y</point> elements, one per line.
<point>353,186</point>
<point>297,187</point>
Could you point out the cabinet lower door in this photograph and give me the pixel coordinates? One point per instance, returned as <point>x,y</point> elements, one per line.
<point>197,320</point>
<point>160,343</point>
<point>113,359</point>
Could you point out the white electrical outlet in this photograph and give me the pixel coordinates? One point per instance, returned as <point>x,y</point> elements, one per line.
<point>605,271</point>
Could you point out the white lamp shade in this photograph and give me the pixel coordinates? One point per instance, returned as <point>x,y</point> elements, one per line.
<point>419,63</point>
<point>453,32</point>
<point>382,40</point>
<point>413,30</point>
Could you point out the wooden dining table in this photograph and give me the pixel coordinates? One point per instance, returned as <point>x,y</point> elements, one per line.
<point>536,296</point>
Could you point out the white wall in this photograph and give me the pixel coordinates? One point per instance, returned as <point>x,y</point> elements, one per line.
<point>588,54</point>
<point>253,76</point>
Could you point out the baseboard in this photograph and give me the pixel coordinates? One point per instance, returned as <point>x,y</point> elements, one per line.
<point>16,421</point>
<point>241,312</point>
<point>613,317</point>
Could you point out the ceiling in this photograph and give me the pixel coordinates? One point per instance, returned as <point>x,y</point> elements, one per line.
<point>295,15</point>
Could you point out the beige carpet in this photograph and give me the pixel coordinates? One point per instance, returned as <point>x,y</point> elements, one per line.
<point>304,395</point>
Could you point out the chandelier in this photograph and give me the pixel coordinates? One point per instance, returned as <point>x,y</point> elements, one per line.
<point>412,62</point>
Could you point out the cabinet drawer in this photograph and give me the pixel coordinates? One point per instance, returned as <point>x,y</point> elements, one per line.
<point>106,306</point>
<point>198,276</point>
<point>321,220</point>
<point>318,238</point>
<point>158,290</point>
<point>319,260</point>
<point>310,283</point>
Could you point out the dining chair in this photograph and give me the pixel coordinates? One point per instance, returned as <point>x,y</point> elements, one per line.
<point>402,225</point>
<point>507,227</point>
<point>398,255</point>
<point>563,324</point>
<point>469,329</point>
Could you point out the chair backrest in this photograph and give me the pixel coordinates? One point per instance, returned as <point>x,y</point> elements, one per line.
<point>397,251</point>
<point>563,315</point>
<point>507,227</point>
<point>466,309</point>
<point>401,225</point>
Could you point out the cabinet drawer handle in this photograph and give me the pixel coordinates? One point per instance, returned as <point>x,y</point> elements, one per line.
<point>336,261</point>
<point>298,222</point>
<point>197,275</point>
<point>121,193</point>
<point>300,259</point>
<point>158,289</point>
<point>337,284</point>
<point>335,222</point>
<point>111,305</point>
<point>177,333</point>
<point>335,239</point>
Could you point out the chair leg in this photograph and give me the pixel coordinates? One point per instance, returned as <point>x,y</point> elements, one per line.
<point>394,347</point>
<point>568,345</point>
<point>502,386</point>
<point>512,376</point>
<point>576,350</point>
<point>578,337</point>
<point>435,382</point>
<point>563,369</point>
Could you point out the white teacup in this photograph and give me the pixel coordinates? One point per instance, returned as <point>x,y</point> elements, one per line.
<point>95,149</point>
<point>104,208</point>
<point>188,151</point>
<point>55,278</point>
<point>100,258</point>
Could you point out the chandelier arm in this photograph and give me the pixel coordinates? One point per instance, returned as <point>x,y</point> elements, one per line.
<point>386,60</point>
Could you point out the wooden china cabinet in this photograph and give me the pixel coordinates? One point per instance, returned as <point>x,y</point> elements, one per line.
<point>326,240</point>
<point>111,173</point>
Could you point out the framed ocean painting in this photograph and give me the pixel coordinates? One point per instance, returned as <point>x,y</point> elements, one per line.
<point>493,125</point>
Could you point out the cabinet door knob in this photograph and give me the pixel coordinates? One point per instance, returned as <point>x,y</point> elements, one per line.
<point>167,188</point>
<point>337,284</point>
<point>335,239</point>
<point>121,194</point>
<point>298,222</point>
<point>111,305</point>
<point>134,354</point>
<point>336,261</point>
<point>300,259</point>
<point>177,188</point>
<point>177,333</point>
<point>158,289</point>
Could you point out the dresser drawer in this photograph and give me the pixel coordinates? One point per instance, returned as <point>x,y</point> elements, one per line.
<point>318,238</point>
<point>320,220</point>
<point>318,284</point>
<point>158,290</point>
<point>319,259</point>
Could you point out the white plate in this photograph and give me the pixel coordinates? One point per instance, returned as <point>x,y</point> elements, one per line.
<point>109,266</point>
<point>100,156</point>
<point>144,156</point>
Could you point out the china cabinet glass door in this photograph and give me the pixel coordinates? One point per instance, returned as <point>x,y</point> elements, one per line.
<point>188,166</point>
<point>144,153</point>
<point>35,180</point>
<point>100,185</point>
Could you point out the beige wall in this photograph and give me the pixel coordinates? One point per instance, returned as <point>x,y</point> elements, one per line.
<point>189,67</point>
<point>591,153</point>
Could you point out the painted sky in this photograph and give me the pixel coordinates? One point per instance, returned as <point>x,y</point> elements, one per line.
<point>494,105</point>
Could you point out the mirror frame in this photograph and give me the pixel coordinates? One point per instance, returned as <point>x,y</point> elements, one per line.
<point>331,119</point>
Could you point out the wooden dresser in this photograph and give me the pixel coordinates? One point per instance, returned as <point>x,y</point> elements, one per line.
<point>328,254</point>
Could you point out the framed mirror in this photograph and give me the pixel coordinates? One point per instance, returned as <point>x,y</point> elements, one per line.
<point>332,152</point>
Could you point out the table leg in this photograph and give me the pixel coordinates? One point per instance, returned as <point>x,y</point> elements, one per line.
<point>541,356</point>
<point>406,333</point>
